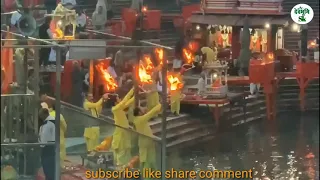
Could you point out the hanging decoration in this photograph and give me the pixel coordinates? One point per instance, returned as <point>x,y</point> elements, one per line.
<point>229,29</point>
<point>212,28</point>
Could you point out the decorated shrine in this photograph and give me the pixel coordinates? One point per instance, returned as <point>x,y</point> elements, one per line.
<point>220,23</point>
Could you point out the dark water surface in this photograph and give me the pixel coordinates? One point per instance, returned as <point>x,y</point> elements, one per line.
<point>287,148</point>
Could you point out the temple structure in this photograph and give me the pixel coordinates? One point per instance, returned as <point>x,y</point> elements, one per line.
<point>221,21</point>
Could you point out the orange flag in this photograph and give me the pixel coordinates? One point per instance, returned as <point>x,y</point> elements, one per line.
<point>7,64</point>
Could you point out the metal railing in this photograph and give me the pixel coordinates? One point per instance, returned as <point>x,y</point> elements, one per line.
<point>18,117</point>
<point>85,119</point>
<point>24,158</point>
<point>58,91</point>
<point>128,38</point>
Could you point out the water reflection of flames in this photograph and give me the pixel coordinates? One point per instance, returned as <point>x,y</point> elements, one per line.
<point>144,76</point>
<point>188,55</point>
<point>175,82</point>
<point>159,54</point>
<point>110,83</point>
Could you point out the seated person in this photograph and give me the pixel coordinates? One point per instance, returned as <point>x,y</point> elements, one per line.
<point>99,18</point>
<point>81,20</point>
<point>208,55</point>
<point>15,18</point>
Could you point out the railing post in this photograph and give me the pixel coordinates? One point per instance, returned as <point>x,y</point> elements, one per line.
<point>304,42</point>
<point>164,118</point>
<point>57,109</point>
<point>36,75</point>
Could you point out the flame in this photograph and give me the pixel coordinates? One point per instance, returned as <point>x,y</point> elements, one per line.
<point>144,9</point>
<point>110,83</point>
<point>188,56</point>
<point>312,44</point>
<point>144,76</point>
<point>193,46</point>
<point>57,33</point>
<point>175,82</point>
<point>148,63</point>
<point>159,53</point>
<point>269,58</point>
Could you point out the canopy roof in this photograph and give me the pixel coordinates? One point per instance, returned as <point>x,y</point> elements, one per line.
<point>238,19</point>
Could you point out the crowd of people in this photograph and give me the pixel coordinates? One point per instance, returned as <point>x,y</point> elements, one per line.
<point>125,112</point>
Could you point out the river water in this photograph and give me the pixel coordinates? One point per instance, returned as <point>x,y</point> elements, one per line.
<point>287,148</point>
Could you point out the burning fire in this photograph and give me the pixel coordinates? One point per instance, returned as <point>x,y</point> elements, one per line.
<point>193,46</point>
<point>144,76</point>
<point>110,83</point>
<point>175,82</point>
<point>188,55</point>
<point>144,9</point>
<point>312,44</point>
<point>159,53</point>
<point>148,63</point>
<point>269,58</point>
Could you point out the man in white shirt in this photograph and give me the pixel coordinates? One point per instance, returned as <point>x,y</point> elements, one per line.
<point>46,135</point>
<point>177,64</point>
<point>201,83</point>
<point>66,2</point>
<point>81,20</point>
<point>15,18</point>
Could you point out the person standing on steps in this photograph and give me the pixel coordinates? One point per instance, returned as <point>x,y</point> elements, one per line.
<point>147,149</point>
<point>47,134</point>
<point>91,134</point>
<point>121,142</point>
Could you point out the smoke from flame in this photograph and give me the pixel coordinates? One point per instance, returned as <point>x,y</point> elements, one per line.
<point>110,83</point>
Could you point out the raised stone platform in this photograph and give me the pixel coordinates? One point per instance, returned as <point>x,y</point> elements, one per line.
<point>196,123</point>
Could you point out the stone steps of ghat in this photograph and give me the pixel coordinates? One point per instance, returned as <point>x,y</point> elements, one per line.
<point>197,123</point>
